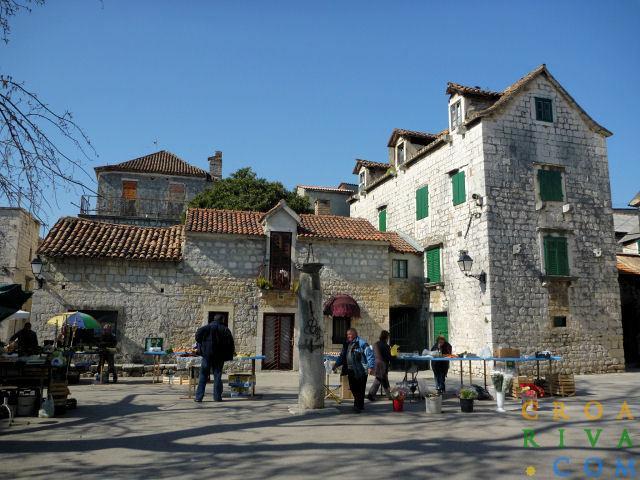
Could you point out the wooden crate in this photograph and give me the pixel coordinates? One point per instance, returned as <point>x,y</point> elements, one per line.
<point>562,385</point>
<point>177,380</point>
<point>515,388</point>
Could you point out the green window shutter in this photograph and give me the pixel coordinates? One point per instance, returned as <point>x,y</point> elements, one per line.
<point>539,112</point>
<point>458,186</point>
<point>382,220</point>
<point>556,256</point>
<point>422,203</point>
<point>433,265</point>
<point>550,184</point>
<point>440,325</point>
<point>544,110</point>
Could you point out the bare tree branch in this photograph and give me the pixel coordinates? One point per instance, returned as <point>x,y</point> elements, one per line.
<point>9,8</point>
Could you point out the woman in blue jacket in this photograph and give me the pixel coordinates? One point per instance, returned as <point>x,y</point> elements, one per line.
<point>357,360</point>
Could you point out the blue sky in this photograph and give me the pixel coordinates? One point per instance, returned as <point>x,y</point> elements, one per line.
<point>298,90</point>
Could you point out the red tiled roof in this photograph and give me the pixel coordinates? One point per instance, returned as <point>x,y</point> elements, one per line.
<point>237,222</point>
<point>423,137</point>
<point>311,226</point>
<point>472,91</point>
<point>628,263</point>
<point>162,162</point>
<point>328,189</point>
<point>75,237</point>
<point>369,164</point>
<point>399,244</point>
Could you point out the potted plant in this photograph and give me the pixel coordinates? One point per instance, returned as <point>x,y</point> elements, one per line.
<point>263,283</point>
<point>434,402</point>
<point>467,396</point>
<point>398,394</point>
<point>502,384</point>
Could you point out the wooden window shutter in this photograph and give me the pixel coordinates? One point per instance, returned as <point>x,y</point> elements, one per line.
<point>433,265</point>
<point>556,256</point>
<point>382,220</point>
<point>129,190</point>
<point>550,184</point>
<point>422,203</point>
<point>458,185</point>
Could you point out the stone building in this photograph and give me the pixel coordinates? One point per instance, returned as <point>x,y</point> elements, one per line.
<point>328,200</point>
<point>152,190</point>
<point>519,184</point>
<point>19,237</point>
<point>167,281</point>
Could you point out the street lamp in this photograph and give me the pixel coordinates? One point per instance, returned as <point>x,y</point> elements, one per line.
<point>36,268</point>
<point>465,262</point>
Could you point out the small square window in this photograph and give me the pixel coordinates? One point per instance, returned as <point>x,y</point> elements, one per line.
<point>399,268</point>
<point>544,111</point>
<point>559,322</point>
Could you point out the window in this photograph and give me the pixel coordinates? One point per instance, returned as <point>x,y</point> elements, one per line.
<point>458,187</point>
<point>382,219</point>
<point>456,115</point>
<point>550,185</point>
<point>556,257</point>
<point>399,268</point>
<point>361,182</point>
<point>339,330</point>
<point>176,192</point>
<point>400,154</point>
<point>559,322</point>
<point>434,272</point>
<point>544,111</point>
<point>129,189</point>
<point>280,260</point>
<point>422,203</point>
<point>225,317</point>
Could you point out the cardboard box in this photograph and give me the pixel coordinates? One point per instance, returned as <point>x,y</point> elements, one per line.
<point>506,353</point>
<point>345,390</point>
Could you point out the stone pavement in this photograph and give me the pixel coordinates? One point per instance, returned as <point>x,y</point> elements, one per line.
<point>138,430</point>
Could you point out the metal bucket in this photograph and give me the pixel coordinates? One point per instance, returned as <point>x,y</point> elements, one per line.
<point>434,404</point>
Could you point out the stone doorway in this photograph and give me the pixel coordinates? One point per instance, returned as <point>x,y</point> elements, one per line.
<point>277,341</point>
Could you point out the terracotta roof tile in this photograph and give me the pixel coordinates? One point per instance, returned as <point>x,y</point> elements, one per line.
<point>628,263</point>
<point>237,222</point>
<point>75,237</point>
<point>421,138</point>
<point>162,162</point>
<point>472,91</point>
<point>400,245</point>
<point>313,188</point>
<point>337,227</point>
<point>369,164</point>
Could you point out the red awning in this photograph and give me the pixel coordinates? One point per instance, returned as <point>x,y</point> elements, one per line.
<point>342,306</point>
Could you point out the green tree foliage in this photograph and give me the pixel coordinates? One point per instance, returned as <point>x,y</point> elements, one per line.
<point>243,190</point>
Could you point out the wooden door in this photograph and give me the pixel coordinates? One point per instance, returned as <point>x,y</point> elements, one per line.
<point>440,325</point>
<point>277,342</point>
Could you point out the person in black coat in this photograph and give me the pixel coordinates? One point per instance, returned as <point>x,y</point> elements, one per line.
<point>441,368</point>
<point>27,340</point>
<point>382,352</point>
<point>216,346</point>
<point>106,346</point>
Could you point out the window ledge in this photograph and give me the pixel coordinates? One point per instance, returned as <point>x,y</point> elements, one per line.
<point>434,285</point>
<point>558,278</point>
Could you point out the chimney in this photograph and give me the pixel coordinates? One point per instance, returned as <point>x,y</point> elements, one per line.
<point>215,165</point>
<point>322,207</point>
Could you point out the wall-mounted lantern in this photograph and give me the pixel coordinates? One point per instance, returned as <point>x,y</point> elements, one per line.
<point>465,262</point>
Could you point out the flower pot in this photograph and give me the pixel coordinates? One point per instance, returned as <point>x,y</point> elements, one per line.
<point>398,405</point>
<point>500,401</point>
<point>434,404</point>
<point>466,405</point>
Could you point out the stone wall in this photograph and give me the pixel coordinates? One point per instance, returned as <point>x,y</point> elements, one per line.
<point>523,303</point>
<point>218,273</point>
<point>455,228</point>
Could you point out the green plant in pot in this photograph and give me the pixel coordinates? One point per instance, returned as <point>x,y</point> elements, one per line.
<point>263,283</point>
<point>467,396</point>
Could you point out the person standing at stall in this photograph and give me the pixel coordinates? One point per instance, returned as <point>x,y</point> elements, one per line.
<point>356,359</point>
<point>441,368</point>
<point>106,346</point>
<point>216,346</point>
<point>27,340</point>
<point>382,354</point>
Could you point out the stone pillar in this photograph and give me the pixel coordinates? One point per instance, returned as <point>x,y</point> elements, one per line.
<point>311,338</point>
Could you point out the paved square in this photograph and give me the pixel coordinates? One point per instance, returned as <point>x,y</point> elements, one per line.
<point>138,430</point>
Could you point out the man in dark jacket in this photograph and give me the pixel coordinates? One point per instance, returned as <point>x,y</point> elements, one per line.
<point>216,347</point>
<point>357,360</point>
<point>440,368</point>
<point>106,348</point>
<point>382,352</point>
<point>27,340</point>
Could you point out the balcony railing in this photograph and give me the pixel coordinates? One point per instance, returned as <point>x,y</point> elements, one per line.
<point>160,208</point>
